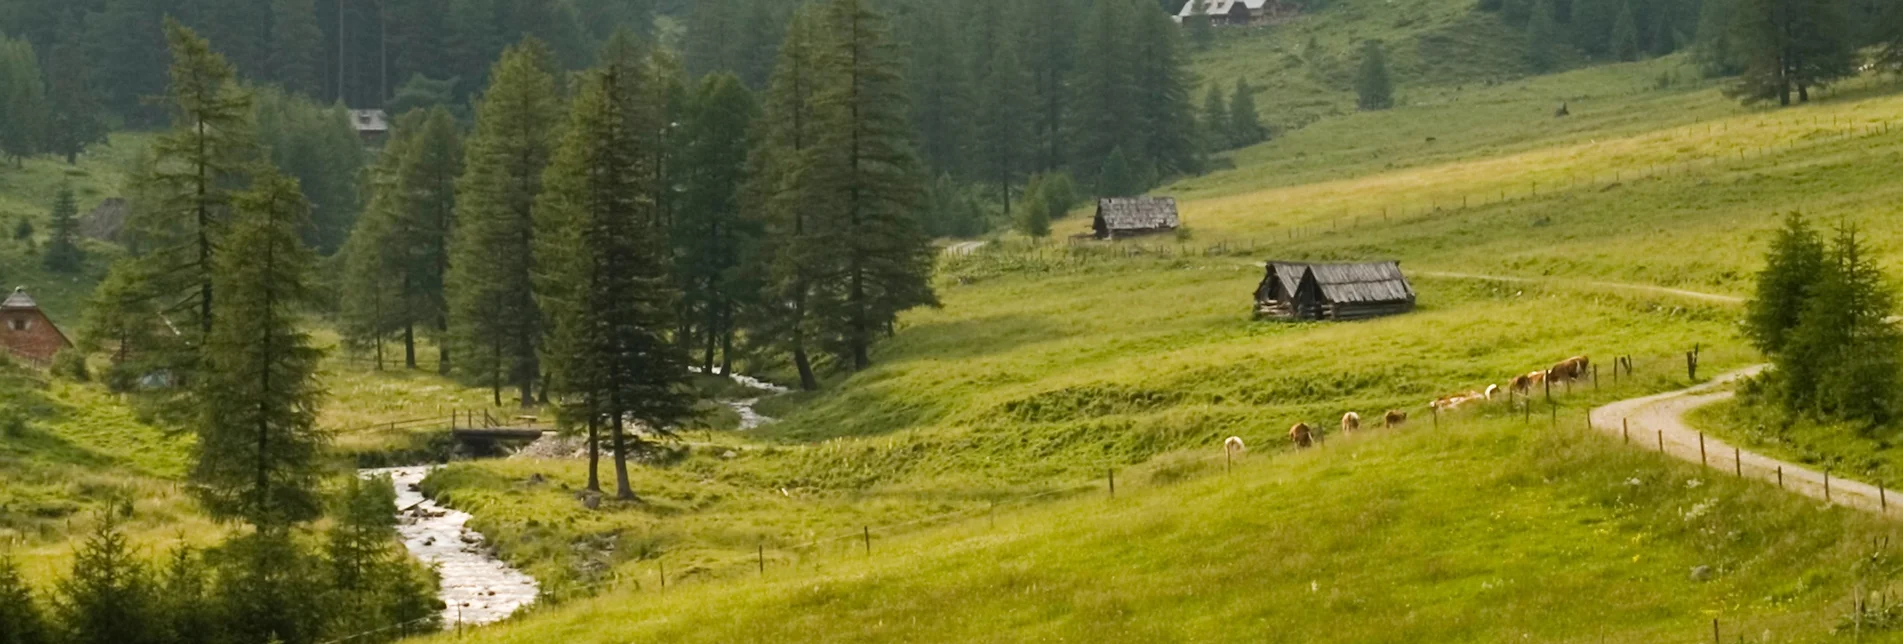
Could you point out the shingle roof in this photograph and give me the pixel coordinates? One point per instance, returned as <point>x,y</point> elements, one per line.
<point>19,300</point>
<point>1219,7</point>
<point>1137,213</point>
<point>1364,282</point>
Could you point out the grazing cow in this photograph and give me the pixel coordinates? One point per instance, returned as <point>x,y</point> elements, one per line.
<point>1523,385</point>
<point>1350,422</point>
<point>1570,370</point>
<point>1233,445</point>
<point>1453,402</point>
<point>1491,390</point>
<point>1301,435</point>
<point>1395,418</point>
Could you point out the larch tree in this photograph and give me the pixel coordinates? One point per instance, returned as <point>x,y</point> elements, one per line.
<point>426,205</point>
<point>1374,88</point>
<point>179,230</point>
<point>371,308</point>
<point>495,322</point>
<point>1165,110</point>
<point>1005,143</point>
<point>605,252</point>
<point>941,87</point>
<point>1048,46</point>
<point>868,185</point>
<point>1245,123</point>
<point>1788,47</point>
<point>256,459</point>
<point>710,226</point>
<point>1105,116</point>
<point>781,195</point>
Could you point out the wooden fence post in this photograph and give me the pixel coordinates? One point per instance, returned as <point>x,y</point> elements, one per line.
<point>1826,485</point>
<point>1625,431</point>
<point>1701,450</point>
<point>868,540</point>
<point>1661,434</point>
<point>1780,477</point>
<point>1737,458</point>
<point>1112,474</point>
<point>763,560</point>
<point>1714,632</point>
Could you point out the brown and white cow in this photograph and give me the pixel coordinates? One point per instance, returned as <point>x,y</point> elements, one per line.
<point>1301,435</point>
<point>1350,422</point>
<point>1394,418</point>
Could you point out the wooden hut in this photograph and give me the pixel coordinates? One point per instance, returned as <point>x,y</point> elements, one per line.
<point>25,331</point>
<point>1296,291</point>
<point>1134,216</point>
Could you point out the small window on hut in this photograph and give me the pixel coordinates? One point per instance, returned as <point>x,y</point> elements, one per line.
<point>19,324</point>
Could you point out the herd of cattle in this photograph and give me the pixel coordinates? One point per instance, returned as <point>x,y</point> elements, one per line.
<point>1565,373</point>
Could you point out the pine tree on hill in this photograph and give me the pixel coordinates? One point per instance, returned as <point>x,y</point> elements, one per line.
<point>941,88</point>
<point>1165,111</point>
<point>1118,178</point>
<point>1202,34</point>
<point>1034,219</point>
<point>127,47</point>
<point>1542,37</point>
<point>604,248</point>
<point>1789,47</point>
<point>711,227</point>
<point>1047,43</point>
<point>1790,270</point>
<point>1844,339</point>
<point>496,324</point>
<point>781,196</point>
<point>1592,24</point>
<point>1374,88</point>
<point>1625,34</point>
<point>1245,123</point>
<point>76,119</point>
<point>1215,120</point>
<point>868,182</point>
<point>1104,115</point>
<point>256,459</point>
<point>25,623</point>
<point>110,595</point>
<point>297,47</point>
<point>63,254</point>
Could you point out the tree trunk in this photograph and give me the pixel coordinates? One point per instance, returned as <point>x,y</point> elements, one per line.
<point>808,381</point>
<point>442,346</point>
<point>713,337</point>
<point>409,346</point>
<point>623,491</point>
<point>726,340</point>
<point>594,454</point>
<point>525,381</point>
<point>495,382</point>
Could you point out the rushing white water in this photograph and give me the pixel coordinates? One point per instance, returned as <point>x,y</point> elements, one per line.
<point>750,418</point>
<point>477,588</point>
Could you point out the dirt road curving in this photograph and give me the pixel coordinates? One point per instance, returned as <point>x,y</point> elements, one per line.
<point>1651,420</point>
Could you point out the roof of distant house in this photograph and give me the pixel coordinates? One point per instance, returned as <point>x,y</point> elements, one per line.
<point>1137,213</point>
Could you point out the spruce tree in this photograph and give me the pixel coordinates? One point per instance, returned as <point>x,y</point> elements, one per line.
<point>109,598</point>
<point>1843,354</point>
<point>425,184</point>
<point>1787,47</point>
<point>1047,42</point>
<point>1245,124</point>
<point>1118,178</point>
<point>76,119</point>
<point>63,254</point>
<point>1791,267</point>
<point>1165,112</point>
<point>22,100</point>
<point>1542,37</point>
<point>269,586</point>
<point>710,227</point>
<point>122,321</point>
<point>603,247</point>
<point>185,604</point>
<point>1034,220</point>
<point>1005,145</point>
<point>297,47</point>
<point>1059,194</point>
<point>372,582</point>
<point>1625,34</point>
<point>1215,120</point>
<point>781,196</point>
<point>1592,24</point>
<point>868,184</point>
<point>372,308</point>
<point>495,322</point>
<point>21,621</point>
<point>1202,34</point>
<point>126,44</point>
<point>256,458</point>
<point>1105,117</point>
<point>1889,55</point>
<point>1713,48</point>
<point>1374,89</point>
<point>941,87</point>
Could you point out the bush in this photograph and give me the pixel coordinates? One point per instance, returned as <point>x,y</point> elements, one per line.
<point>71,365</point>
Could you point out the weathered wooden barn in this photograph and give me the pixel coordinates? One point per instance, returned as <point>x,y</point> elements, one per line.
<point>1135,216</point>
<point>1297,291</point>
<point>25,331</point>
<point>1241,12</point>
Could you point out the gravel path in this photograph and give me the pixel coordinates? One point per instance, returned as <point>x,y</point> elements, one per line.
<point>1654,420</point>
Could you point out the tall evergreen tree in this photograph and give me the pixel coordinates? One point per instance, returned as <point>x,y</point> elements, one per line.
<point>1844,338</point>
<point>76,119</point>
<point>426,179</point>
<point>21,621</point>
<point>373,584</point>
<point>781,195</point>
<point>1215,120</point>
<point>1625,34</point>
<point>256,458</point>
<point>1592,24</point>
<point>1118,178</point>
<point>1105,118</point>
<point>868,182</point>
<point>1245,124</point>
<point>127,48</point>
<point>1542,37</point>
<point>494,318</point>
<point>1889,56</point>
<point>1005,146</point>
<point>372,309</point>
<point>1790,272</point>
<point>941,89</point>
<point>710,226</point>
<point>1374,88</point>
<point>1048,46</point>
<point>603,249</point>
<point>178,231</point>
<point>297,47</point>
<point>109,598</point>
<point>1034,220</point>
<point>1165,112</point>
<point>63,254</point>
<point>1202,33</point>
<point>268,586</point>
<point>318,146</point>
<point>1787,47</point>
<point>185,606</point>
<point>22,100</point>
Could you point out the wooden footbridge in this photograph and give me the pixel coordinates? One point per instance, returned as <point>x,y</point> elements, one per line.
<point>479,432</point>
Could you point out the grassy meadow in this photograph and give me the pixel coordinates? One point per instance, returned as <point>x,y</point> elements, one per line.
<point>27,192</point>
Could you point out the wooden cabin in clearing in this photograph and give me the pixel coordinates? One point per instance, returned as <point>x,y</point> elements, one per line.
<point>1295,291</point>
<point>25,331</point>
<point>1134,216</point>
